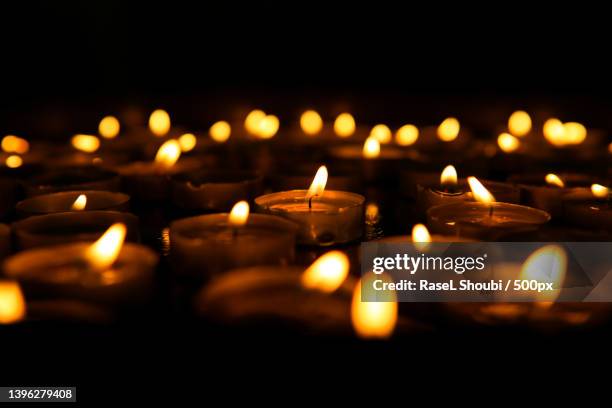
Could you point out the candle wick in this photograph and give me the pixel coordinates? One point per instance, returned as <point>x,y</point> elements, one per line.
<point>310,203</point>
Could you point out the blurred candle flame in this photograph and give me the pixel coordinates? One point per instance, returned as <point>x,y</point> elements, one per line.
<point>344,125</point>
<point>239,215</point>
<point>449,129</point>
<point>13,161</point>
<point>86,143</point>
<point>420,237</point>
<point>373,320</point>
<point>251,123</point>
<point>548,265</point>
<point>407,135</point>
<point>372,213</point>
<point>327,273</point>
<point>382,133</point>
<point>318,183</point>
<point>311,122</point>
<point>575,133</point>
<point>371,148</point>
<point>562,134</point>
<point>12,303</point>
<point>508,143</point>
<point>267,127</point>
<point>554,180</point>
<point>102,254</point>
<point>80,203</point>
<point>480,193</point>
<point>600,191</point>
<point>220,131</point>
<point>15,144</point>
<point>109,127</point>
<point>519,123</point>
<point>159,122</point>
<point>187,142</point>
<point>448,177</point>
<point>168,154</point>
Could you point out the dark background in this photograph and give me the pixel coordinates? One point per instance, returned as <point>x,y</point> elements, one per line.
<point>65,64</point>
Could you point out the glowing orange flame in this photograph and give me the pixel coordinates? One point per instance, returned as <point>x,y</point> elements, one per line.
<point>109,127</point>
<point>448,178</point>
<point>554,180</point>
<point>13,161</point>
<point>373,320</point>
<point>220,131</point>
<point>80,203</point>
<point>407,135</point>
<point>519,123</point>
<point>344,125</point>
<point>239,215</point>
<point>311,122</point>
<point>449,129</point>
<point>421,237</point>
<point>480,193</point>
<point>372,212</point>
<point>327,273</point>
<point>547,265</point>
<point>12,303</point>
<point>15,144</point>
<point>371,148</point>
<point>267,127</point>
<point>159,122</point>
<point>104,252</point>
<point>600,191</point>
<point>382,133</point>
<point>508,143</point>
<point>86,143</point>
<point>251,123</point>
<point>318,183</point>
<point>168,154</point>
<point>187,142</point>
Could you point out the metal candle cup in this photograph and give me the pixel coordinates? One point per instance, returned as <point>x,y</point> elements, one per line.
<point>61,228</point>
<point>382,168</point>
<point>72,179</point>
<point>334,217</point>
<point>63,201</point>
<point>207,245</point>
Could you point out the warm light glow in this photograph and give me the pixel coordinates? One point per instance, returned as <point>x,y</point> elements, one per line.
<point>15,144</point>
<point>159,122</point>
<point>268,127</point>
<point>610,148</point>
<point>480,193</point>
<point>187,142</point>
<point>508,143</point>
<point>600,191</point>
<point>12,303</point>
<point>373,320</point>
<point>168,154</point>
<point>102,254</point>
<point>554,180</point>
<point>80,203</point>
<point>327,273</point>
<point>547,265</point>
<point>344,125</point>
<point>448,178</point>
<point>251,123</point>
<point>421,237</point>
<point>553,129</point>
<point>407,135</point>
<point>519,123</point>
<point>575,133</point>
<point>372,212</point>
<point>382,133</point>
<point>13,161</point>
<point>109,127</point>
<point>560,134</point>
<point>371,148</point>
<point>220,131</point>
<point>311,122</point>
<point>86,143</point>
<point>448,129</point>
<point>239,215</point>
<point>318,183</point>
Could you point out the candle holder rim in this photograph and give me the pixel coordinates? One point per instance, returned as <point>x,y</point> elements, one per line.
<point>122,199</point>
<point>431,212</point>
<point>358,199</point>
<point>282,224</point>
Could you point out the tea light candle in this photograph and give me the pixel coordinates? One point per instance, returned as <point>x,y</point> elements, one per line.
<point>5,241</point>
<point>150,181</point>
<point>324,217</point>
<point>206,190</point>
<point>206,245</point>
<point>60,228</point>
<point>72,179</point>
<point>484,219</point>
<point>589,209</point>
<point>420,234</point>
<point>107,272</point>
<point>73,201</point>
<point>298,176</point>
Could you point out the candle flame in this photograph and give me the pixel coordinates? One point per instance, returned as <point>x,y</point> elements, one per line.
<point>13,161</point>
<point>12,303</point>
<point>421,237</point>
<point>344,125</point>
<point>519,123</point>
<point>371,148</point>
<point>251,123</point>
<point>373,320</point>
<point>327,273</point>
<point>102,254</point>
<point>267,127</point>
<point>480,193</point>
<point>508,143</point>
<point>554,180</point>
<point>407,135</point>
<point>449,129</point>
<point>220,131</point>
<point>168,154</point>
<point>372,213</point>
<point>382,133</point>
<point>448,178</point>
<point>80,203</point>
<point>187,142</point>
<point>109,127</point>
<point>15,144</point>
<point>86,143</point>
<point>159,122</point>
<point>311,122</point>
<point>318,183</point>
<point>600,191</point>
<point>548,265</point>
<point>575,133</point>
<point>240,214</point>
<point>562,134</point>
